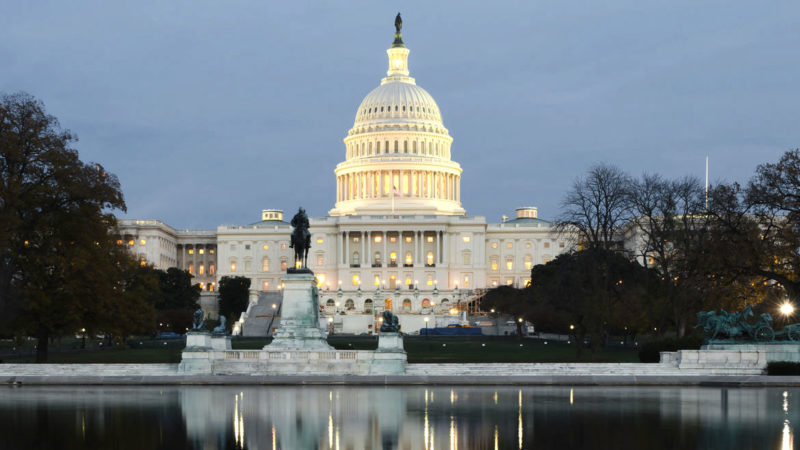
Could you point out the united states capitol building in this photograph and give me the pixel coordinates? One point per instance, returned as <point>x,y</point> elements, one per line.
<point>397,238</point>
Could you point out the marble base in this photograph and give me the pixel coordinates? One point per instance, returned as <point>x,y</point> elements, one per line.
<point>220,342</point>
<point>390,342</point>
<point>773,351</point>
<point>198,341</point>
<point>299,328</point>
<point>716,362</point>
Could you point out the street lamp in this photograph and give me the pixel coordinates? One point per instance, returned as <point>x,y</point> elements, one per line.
<point>787,309</point>
<point>426,327</point>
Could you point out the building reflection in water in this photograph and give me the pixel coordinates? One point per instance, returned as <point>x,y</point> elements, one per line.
<point>396,417</point>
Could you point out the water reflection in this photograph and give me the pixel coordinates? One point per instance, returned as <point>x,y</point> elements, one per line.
<point>396,418</point>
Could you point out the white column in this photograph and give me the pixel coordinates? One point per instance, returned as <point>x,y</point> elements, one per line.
<point>385,257</point>
<point>368,249</point>
<point>444,246</point>
<point>347,248</point>
<point>363,247</point>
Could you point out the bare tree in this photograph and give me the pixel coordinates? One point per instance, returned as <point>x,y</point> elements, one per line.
<point>596,207</point>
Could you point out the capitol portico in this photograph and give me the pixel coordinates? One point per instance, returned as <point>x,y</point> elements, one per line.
<point>397,237</point>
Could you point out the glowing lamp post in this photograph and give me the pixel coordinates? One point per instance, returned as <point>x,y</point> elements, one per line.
<point>787,309</point>
<point>426,327</point>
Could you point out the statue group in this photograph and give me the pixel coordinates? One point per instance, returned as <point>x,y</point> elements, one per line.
<point>736,327</point>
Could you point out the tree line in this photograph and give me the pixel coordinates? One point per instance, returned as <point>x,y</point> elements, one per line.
<point>649,252</point>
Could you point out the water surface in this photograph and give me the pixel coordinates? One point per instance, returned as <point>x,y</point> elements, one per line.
<point>289,417</point>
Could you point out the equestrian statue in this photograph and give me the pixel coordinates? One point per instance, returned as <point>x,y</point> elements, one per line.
<point>300,242</point>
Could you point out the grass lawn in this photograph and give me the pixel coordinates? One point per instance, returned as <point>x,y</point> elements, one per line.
<point>420,350</point>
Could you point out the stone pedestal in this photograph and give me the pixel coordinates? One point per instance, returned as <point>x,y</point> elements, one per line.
<point>198,341</point>
<point>220,342</point>
<point>390,357</point>
<point>773,351</point>
<point>299,328</point>
<point>195,357</point>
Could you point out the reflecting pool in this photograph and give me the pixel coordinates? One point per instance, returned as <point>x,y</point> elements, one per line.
<point>289,417</point>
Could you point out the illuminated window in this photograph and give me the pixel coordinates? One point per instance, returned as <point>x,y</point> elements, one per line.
<point>546,245</point>
<point>466,238</point>
<point>142,263</point>
<point>211,251</point>
<point>320,240</point>
<point>494,265</point>
<point>560,245</point>
<point>201,251</point>
<point>266,247</point>
<point>466,281</point>
<point>429,239</point>
<point>527,245</point>
<point>377,258</point>
<point>283,246</point>
<point>191,251</point>
<point>546,260</point>
<point>494,244</point>
<point>528,262</point>
<point>408,238</point>
<point>510,281</point>
<point>191,269</point>
<point>211,287</point>
<point>355,239</point>
<point>494,283</point>
<point>233,267</point>
<point>211,269</point>
<point>283,266</point>
<point>265,265</point>
<point>429,258</point>
<point>393,239</point>
<point>201,269</point>
<point>320,280</point>
<point>407,304</point>
<point>509,245</point>
<point>409,258</point>
<point>356,280</point>
<point>202,287</point>
<point>650,260</point>
<point>378,238</point>
<point>430,280</point>
<point>408,280</point>
<point>509,264</point>
<point>321,259</point>
<point>426,303</point>
<point>527,283</point>
<point>142,242</point>
<point>393,257</point>
<point>119,242</point>
<point>265,285</point>
<point>377,280</point>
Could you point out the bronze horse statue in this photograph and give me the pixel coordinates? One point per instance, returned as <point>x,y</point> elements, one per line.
<point>300,239</point>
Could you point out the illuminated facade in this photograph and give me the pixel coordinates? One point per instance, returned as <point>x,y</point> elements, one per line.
<point>398,237</point>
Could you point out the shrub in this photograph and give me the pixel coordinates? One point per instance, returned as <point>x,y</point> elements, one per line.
<point>650,352</point>
<point>783,368</point>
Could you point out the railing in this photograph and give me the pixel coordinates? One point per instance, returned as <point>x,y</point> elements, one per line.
<point>291,355</point>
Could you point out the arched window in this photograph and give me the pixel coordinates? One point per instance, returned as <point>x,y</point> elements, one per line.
<point>407,305</point>
<point>409,259</point>
<point>377,259</point>
<point>211,269</point>
<point>393,258</point>
<point>429,259</point>
<point>387,304</point>
<point>368,305</point>
<point>426,303</point>
<point>191,269</point>
<point>349,304</point>
<point>201,269</point>
<point>330,303</point>
<point>356,258</point>
<point>528,262</point>
<point>265,264</point>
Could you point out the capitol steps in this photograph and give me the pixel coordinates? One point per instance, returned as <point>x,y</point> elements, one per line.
<point>257,322</point>
<point>102,370</point>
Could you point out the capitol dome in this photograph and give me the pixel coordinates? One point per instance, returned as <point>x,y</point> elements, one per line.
<point>397,155</point>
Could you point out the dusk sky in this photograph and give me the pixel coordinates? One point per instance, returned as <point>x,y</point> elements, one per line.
<point>210,111</point>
